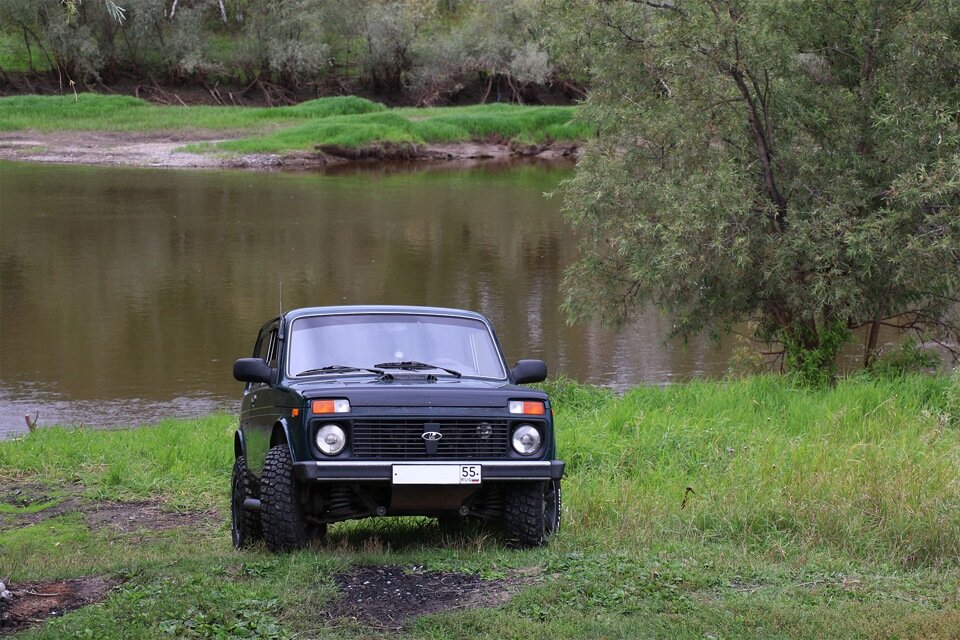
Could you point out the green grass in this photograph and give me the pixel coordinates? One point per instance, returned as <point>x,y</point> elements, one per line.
<point>813,514</point>
<point>444,124</point>
<point>94,112</point>
<point>347,121</point>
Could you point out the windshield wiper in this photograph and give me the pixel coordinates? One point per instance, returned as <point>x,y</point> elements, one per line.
<point>337,368</point>
<point>413,365</point>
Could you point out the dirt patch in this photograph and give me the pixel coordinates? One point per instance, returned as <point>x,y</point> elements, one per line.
<point>24,495</point>
<point>121,517</point>
<point>139,149</point>
<point>128,517</point>
<point>34,602</point>
<point>390,597</point>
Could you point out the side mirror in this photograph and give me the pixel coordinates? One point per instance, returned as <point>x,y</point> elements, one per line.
<point>528,371</point>
<point>252,370</point>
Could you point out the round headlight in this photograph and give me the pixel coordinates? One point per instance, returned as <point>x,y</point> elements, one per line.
<point>331,439</point>
<point>526,439</point>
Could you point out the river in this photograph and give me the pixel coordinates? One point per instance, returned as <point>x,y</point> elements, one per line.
<point>126,294</point>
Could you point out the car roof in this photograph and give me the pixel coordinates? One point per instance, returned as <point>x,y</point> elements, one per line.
<point>385,309</point>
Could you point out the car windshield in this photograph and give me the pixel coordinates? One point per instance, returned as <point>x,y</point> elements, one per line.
<point>363,341</point>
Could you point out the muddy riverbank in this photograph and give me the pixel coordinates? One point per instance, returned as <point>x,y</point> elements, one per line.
<point>139,149</point>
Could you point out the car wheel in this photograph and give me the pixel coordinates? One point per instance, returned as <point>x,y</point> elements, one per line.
<point>245,525</point>
<point>532,513</point>
<point>284,526</point>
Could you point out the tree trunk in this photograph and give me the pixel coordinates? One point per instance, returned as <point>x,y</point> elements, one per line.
<point>26,41</point>
<point>870,351</point>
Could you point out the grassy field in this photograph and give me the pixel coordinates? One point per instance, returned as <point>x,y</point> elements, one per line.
<point>346,121</point>
<point>810,514</point>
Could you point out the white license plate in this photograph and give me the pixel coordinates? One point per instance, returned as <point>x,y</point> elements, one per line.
<point>437,473</point>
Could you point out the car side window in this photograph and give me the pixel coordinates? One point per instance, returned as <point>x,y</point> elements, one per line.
<point>263,346</point>
<point>271,355</point>
<point>266,348</point>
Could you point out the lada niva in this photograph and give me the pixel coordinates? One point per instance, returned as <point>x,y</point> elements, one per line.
<point>356,412</point>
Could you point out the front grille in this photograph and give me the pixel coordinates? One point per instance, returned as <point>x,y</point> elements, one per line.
<point>401,439</point>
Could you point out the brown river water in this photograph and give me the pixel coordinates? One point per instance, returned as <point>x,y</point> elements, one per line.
<point>126,294</point>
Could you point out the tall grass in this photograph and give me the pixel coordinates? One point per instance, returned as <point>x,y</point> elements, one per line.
<point>512,123</point>
<point>868,468</point>
<point>184,461</point>
<point>813,514</point>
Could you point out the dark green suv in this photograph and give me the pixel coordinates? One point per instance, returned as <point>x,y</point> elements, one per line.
<point>355,412</point>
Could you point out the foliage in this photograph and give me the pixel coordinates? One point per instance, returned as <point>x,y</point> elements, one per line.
<point>252,619</point>
<point>390,28</point>
<point>910,356</point>
<point>285,40</point>
<point>795,163</point>
<point>496,41</point>
<point>429,48</point>
<point>73,45</point>
<point>116,12</point>
<point>813,359</point>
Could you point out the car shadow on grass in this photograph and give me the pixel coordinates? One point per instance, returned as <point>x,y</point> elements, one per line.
<point>412,534</point>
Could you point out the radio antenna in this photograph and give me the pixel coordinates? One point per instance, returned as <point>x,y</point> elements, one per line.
<point>281,296</point>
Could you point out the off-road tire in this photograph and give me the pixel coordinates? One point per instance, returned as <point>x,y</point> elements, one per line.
<point>284,526</point>
<point>531,513</point>
<point>245,524</point>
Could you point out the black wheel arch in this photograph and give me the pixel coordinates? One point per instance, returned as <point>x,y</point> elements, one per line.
<point>281,435</point>
<point>239,445</point>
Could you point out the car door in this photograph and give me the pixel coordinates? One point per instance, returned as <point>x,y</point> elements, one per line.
<point>258,412</point>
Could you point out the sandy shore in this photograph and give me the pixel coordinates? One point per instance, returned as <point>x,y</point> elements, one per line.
<point>137,149</point>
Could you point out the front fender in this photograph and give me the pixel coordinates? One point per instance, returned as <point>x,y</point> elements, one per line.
<point>281,435</point>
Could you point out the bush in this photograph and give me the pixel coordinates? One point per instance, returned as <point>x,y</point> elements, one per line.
<point>909,357</point>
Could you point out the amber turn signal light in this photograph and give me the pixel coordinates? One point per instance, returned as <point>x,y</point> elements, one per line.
<point>527,407</point>
<point>330,406</point>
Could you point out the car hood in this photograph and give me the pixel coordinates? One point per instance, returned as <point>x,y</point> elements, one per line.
<point>443,393</point>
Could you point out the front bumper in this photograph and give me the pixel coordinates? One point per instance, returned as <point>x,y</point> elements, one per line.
<point>382,471</point>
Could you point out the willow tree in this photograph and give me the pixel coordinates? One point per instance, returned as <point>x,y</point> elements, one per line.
<point>796,163</point>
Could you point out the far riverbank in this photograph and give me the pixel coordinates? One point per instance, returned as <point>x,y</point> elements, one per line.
<point>118,130</point>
